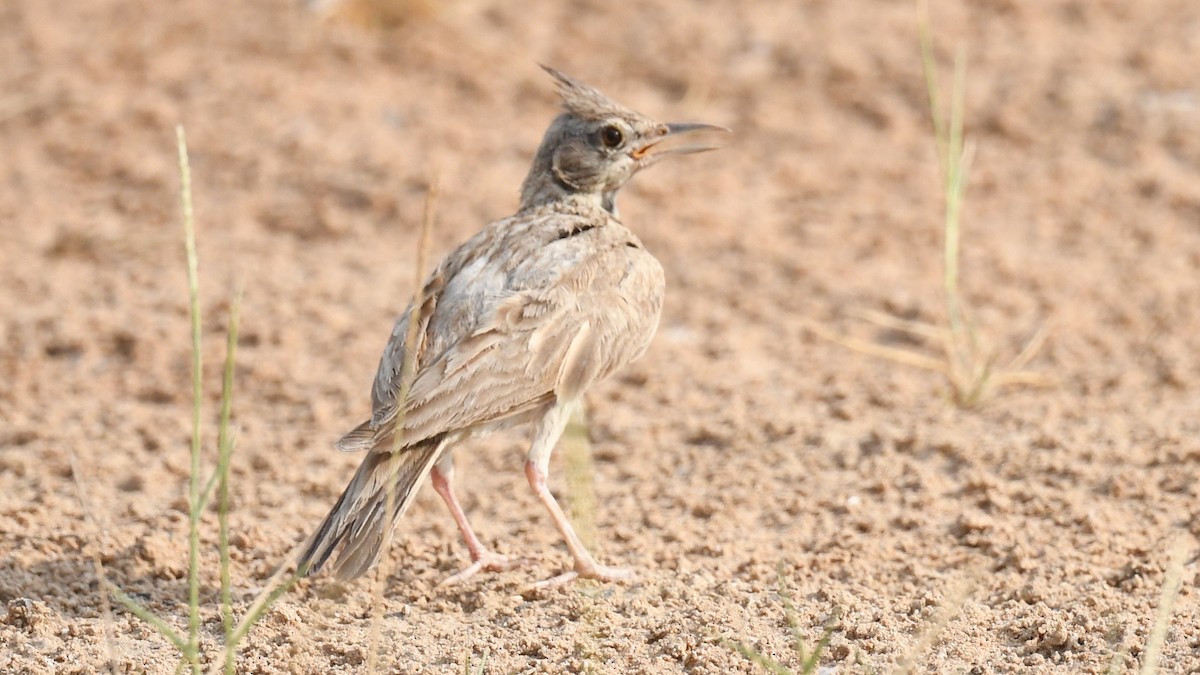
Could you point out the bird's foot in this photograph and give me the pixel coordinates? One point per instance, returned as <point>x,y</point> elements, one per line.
<point>486,562</point>
<point>593,570</point>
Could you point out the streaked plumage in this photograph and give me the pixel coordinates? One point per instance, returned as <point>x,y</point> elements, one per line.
<point>514,326</point>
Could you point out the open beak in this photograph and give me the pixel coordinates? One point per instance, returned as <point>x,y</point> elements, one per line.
<point>683,139</point>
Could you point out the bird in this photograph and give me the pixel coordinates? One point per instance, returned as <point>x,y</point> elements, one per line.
<point>512,328</point>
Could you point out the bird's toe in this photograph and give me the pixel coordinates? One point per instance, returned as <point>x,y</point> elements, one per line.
<point>486,562</point>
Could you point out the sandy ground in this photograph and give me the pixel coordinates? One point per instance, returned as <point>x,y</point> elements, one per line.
<point>741,450</point>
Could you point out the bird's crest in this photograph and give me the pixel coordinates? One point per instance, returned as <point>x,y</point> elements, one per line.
<point>583,101</point>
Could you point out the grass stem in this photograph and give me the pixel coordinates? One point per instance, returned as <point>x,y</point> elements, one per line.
<point>1172,584</point>
<point>225,442</point>
<point>408,372</point>
<point>581,475</point>
<point>968,366</point>
<point>194,487</point>
<point>97,562</point>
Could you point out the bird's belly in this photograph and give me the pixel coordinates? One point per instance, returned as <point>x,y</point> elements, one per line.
<point>637,307</point>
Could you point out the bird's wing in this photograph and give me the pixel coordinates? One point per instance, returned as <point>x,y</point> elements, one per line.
<point>513,319</point>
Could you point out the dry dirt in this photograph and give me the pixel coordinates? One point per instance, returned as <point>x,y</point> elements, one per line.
<point>741,450</point>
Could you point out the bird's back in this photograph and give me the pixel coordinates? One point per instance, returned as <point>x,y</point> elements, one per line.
<point>538,305</point>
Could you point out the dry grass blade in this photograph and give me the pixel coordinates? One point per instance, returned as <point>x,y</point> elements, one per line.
<point>921,329</point>
<point>97,564</point>
<point>225,453</point>
<point>272,591</point>
<point>1032,347</point>
<point>200,491</point>
<point>409,371</point>
<point>956,597</point>
<point>809,661</point>
<point>580,474</point>
<point>194,488</point>
<point>1172,584</point>
<point>896,354</point>
<point>471,669</point>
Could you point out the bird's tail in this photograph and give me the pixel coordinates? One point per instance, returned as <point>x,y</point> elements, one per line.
<point>359,521</point>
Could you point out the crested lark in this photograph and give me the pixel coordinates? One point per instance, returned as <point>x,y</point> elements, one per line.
<point>513,327</point>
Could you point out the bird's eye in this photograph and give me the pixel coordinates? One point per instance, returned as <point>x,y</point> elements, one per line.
<point>611,136</point>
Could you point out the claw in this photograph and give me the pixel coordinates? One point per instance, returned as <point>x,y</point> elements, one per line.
<point>595,571</point>
<point>487,562</point>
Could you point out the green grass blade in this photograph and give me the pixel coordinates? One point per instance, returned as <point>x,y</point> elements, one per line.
<point>256,612</point>
<point>225,442</point>
<point>149,617</point>
<point>580,474</point>
<point>267,597</point>
<point>789,613</point>
<point>813,661</point>
<point>809,661</point>
<point>185,199</point>
<point>408,372</point>
<point>759,659</point>
<point>925,35</point>
<point>206,494</point>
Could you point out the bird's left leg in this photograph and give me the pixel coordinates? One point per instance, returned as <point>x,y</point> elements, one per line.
<point>482,559</point>
<point>536,465</point>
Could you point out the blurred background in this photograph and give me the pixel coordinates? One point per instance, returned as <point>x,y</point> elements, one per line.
<point>743,449</point>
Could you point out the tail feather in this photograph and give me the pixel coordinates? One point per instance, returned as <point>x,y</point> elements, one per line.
<point>358,522</point>
<point>361,437</point>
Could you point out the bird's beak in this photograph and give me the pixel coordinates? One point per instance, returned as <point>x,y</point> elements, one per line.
<point>683,139</point>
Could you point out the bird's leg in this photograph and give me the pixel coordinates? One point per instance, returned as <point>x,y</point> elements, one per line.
<point>482,559</point>
<point>536,466</point>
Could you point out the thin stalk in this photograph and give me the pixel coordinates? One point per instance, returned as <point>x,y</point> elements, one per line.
<point>194,487</point>
<point>149,617</point>
<point>470,669</point>
<point>758,658</point>
<point>271,592</point>
<point>97,562</point>
<point>956,598</point>
<point>225,442</point>
<point>968,364</point>
<point>259,608</point>
<point>581,473</point>
<point>955,188</point>
<point>408,372</point>
<point>1172,583</point>
<point>925,34</point>
<point>896,354</point>
<point>809,661</point>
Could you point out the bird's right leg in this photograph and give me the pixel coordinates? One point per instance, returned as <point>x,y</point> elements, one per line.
<point>482,559</point>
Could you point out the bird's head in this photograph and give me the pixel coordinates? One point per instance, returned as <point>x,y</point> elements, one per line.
<point>596,145</point>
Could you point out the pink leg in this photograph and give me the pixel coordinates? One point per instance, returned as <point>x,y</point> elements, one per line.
<point>482,559</point>
<point>586,566</point>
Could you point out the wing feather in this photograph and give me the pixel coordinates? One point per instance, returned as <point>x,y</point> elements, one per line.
<point>512,320</point>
